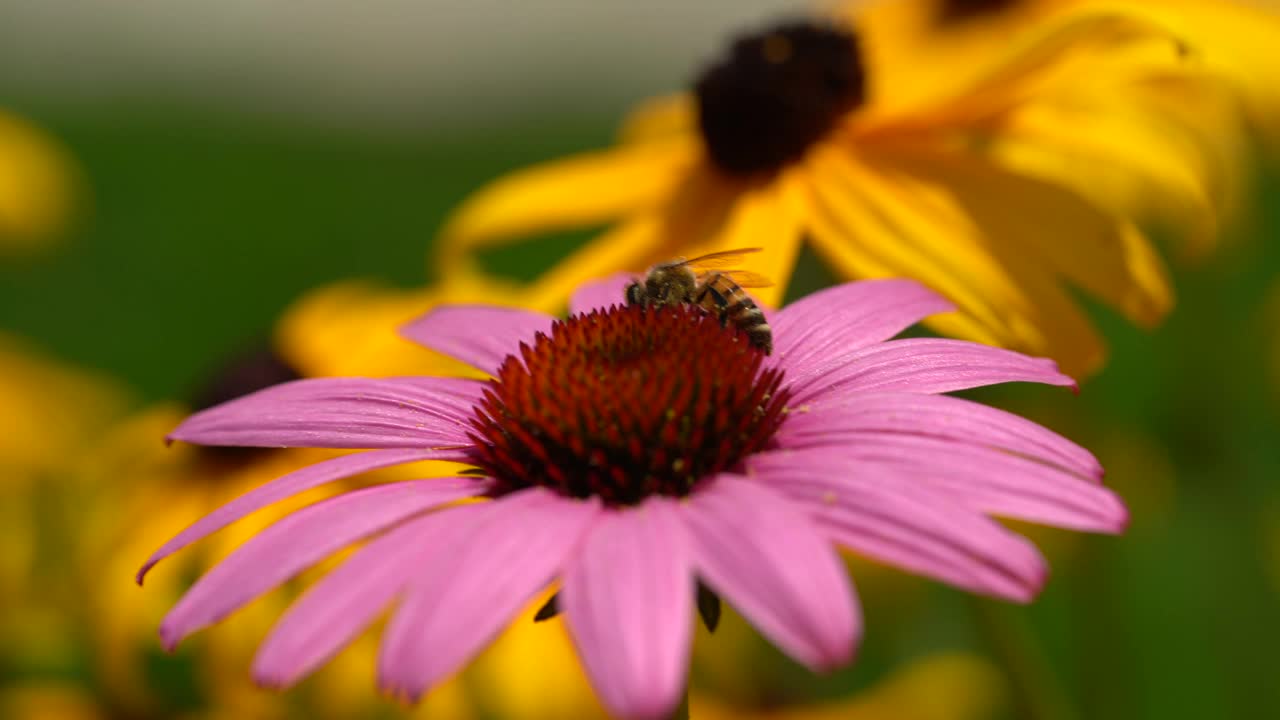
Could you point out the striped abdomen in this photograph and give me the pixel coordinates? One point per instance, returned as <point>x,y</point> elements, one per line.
<point>721,295</point>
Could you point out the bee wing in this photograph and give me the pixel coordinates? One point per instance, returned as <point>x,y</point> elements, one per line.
<point>747,279</point>
<point>722,259</point>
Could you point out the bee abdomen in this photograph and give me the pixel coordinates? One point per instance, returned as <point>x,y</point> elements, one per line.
<point>744,315</point>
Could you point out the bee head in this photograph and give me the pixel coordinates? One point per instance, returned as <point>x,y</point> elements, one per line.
<point>635,293</point>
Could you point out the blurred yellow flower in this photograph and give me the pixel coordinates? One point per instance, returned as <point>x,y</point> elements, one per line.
<point>48,409</point>
<point>167,489</point>
<point>996,171</point>
<point>350,328</point>
<point>37,183</point>
<point>1234,39</point>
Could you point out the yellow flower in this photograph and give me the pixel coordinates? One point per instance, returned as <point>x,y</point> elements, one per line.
<point>167,489</point>
<point>344,329</point>
<point>36,187</point>
<point>48,409</point>
<point>997,172</point>
<point>1232,38</point>
<point>350,328</point>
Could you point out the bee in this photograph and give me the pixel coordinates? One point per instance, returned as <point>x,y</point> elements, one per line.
<point>708,282</point>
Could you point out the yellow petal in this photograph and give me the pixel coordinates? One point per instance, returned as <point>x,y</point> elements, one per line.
<point>351,328</point>
<point>875,222</point>
<point>926,74</point>
<point>765,217</point>
<point>1110,100</point>
<point>658,118</point>
<point>1236,40</point>
<point>1019,216</point>
<point>1168,150</point>
<point>697,214</point>
<point>579,191</point>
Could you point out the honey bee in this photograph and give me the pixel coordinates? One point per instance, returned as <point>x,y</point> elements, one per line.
<point>708,282</point>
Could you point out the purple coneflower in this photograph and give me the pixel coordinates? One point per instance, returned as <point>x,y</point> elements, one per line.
<point>635,455</point>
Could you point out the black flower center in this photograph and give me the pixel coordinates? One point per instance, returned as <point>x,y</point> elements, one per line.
<point>625,403</point>
<point>776,93</point>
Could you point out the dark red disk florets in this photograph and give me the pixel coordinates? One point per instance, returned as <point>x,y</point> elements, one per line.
<point>627,402</point>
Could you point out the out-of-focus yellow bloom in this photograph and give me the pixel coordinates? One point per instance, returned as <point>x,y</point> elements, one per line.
<point>997,170</point>
<point>37,183</point>
<point>140,494</point>
<point>1234,39</point>
<point>937,687</point>
<point>350,328</point>
<point>48,409</point>
<point>47,701</point>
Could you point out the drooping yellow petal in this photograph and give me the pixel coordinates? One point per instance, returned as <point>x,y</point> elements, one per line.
<point>1168,150</point>
<point>1019,216</point>
<point>878,222</point>
<point>579,191</point>
<point>1110,102</point>
<point>1234,39</point>
<point>37,187</point>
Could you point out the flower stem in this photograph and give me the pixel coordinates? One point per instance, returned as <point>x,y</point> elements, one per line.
<point>1037,694</point>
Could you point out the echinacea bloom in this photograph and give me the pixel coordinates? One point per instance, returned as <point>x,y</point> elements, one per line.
<point>997,173</point>
<point>626,453</point>
<point>37,187</point>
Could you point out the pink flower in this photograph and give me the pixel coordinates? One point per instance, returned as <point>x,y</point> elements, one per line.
<point>630,454</point>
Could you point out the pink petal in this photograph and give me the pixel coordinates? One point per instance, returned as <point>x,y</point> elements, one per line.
<point>876,512</point>
<point>938,416</point>
<point>287,486</point>
<point>921,365</point>
<point>300,540</point>
<point>336,609</point>
<point>480,335</point>
<point>849,317</point>
<point>769,558</point>
<point>600,294</point>
<point>481,575</point>
<point>341,413</point>
<point>984,479</point>
<point>628,599</point>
